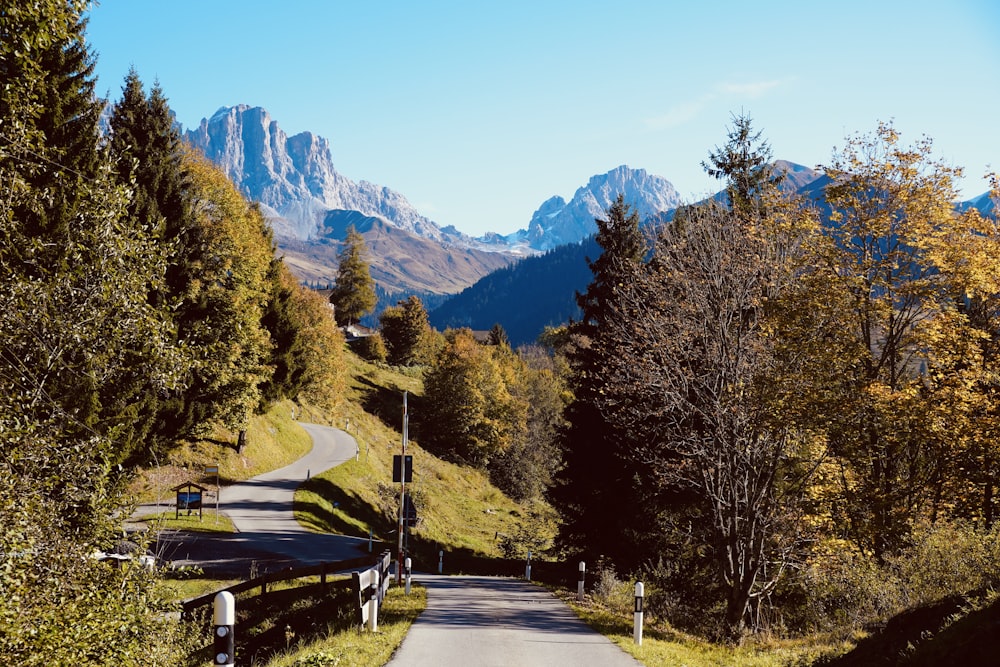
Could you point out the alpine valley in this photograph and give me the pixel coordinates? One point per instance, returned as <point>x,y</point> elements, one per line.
<point>524,281</point>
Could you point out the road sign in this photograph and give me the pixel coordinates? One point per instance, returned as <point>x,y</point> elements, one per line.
<point>398,473</point>
<point>409,512</point>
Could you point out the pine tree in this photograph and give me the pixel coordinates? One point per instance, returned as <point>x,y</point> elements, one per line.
<point>147,151</point>
<point>353,294</point>
<point>745,164</point>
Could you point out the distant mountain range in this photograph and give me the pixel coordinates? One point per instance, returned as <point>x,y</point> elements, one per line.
<point>306,199</point>
<point>310,206</point>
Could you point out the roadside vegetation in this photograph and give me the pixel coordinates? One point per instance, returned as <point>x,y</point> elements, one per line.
<point>782,414</point>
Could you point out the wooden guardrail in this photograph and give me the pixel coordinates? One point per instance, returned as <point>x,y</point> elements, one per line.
<point>189,605</point>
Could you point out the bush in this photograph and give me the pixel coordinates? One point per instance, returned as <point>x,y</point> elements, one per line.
<point>946,559</point>
<point>847,590</point>
<point>609,590</point>
<point>371,348</point>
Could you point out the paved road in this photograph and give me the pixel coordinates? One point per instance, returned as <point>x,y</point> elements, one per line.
<point>500,622</point>
<point>261,508</point>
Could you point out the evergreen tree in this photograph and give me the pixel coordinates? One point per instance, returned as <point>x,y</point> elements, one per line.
<point>354,293</point>
<point>147,151</point>
<point>498,336</point>
<point>745,164</point>
<point>596,491</point>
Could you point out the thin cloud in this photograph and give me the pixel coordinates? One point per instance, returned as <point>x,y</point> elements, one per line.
<point>680,114</point>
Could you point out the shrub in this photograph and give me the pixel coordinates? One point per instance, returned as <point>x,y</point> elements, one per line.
<point>371,348</point>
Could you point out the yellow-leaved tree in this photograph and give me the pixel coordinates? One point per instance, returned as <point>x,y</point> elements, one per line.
<point>906,271</point>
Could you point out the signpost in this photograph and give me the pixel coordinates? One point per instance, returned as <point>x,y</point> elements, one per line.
<point>208,471</point>
<point>402,492</point>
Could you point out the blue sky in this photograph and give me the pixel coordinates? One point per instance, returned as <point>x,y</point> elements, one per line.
<point>478,112</point>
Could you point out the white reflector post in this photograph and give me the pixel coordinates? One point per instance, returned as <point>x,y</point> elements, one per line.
<point>637,630</point>
<point>223,634</point>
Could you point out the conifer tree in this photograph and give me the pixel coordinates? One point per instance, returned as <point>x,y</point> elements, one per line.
<point>596,491</point>
<point>353,294</point>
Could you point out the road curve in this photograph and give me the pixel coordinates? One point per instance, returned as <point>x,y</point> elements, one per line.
<point>261,508</point>
<point>498,622</point>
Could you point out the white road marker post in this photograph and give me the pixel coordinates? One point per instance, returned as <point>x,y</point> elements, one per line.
<point>640,592</point>
<point>408,575</point>
<point>527,567</point>
<point>373,602</point>
<point>223,640</point>
<point>440,562</point>
<point>579,582</point>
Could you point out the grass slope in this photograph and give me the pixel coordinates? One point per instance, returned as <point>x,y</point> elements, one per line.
<point>458,507</point>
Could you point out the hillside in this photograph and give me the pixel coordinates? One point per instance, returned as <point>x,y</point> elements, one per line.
<point>526,297</point>
<point>400,261</point>
<point>459,509</point>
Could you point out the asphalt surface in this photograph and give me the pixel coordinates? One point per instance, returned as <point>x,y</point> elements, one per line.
<point>261,508</point>
<point>470,621</point>
<point>500,622</point>
<point>268,537</point>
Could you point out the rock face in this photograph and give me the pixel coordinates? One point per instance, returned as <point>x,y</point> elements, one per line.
<point>294,178</point>
<point>557,222</point>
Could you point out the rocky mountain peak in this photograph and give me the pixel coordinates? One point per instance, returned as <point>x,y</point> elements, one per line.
<point>557,222</point>
<point>294,177</point>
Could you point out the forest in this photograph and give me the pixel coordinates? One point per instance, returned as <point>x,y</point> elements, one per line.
<point>782,415</point>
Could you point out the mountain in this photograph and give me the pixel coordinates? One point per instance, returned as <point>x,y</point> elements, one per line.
<point>307,202</point>
<point>524,297</point>
<point>294,177</point>
<point>400,261</point>
<point>540,291</point>
<point>557,222</point>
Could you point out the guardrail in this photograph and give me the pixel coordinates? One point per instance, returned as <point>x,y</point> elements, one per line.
<point>189,605</point>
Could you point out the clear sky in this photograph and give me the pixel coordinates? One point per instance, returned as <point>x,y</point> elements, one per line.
<point>477,112</point>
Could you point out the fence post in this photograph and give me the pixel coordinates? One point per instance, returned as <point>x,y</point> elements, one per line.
<point>373,602</point>
<point>407,575</point>
<point>637,629</point>
<point>224,644</point>
<point>579,582</point>
<point>440,562</point>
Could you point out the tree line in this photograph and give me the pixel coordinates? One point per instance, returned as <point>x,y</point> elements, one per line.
<point>769,388</point>
<point>142,301</point>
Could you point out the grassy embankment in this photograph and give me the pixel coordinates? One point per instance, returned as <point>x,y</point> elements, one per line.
<point>458,507</point>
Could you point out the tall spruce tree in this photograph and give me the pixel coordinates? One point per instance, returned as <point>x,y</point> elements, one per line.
<point>147,151</point>
<point>596,491</point>
<point>353,294</point>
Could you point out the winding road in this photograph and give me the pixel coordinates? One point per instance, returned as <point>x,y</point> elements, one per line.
<point>261,508</point>
<point>469,621</point>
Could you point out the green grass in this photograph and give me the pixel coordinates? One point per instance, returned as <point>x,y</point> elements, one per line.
<point>361,648</point>
<point>458,507</point>
<point>663,646</point>
<point>273,441</point>
<point>209,522</point>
